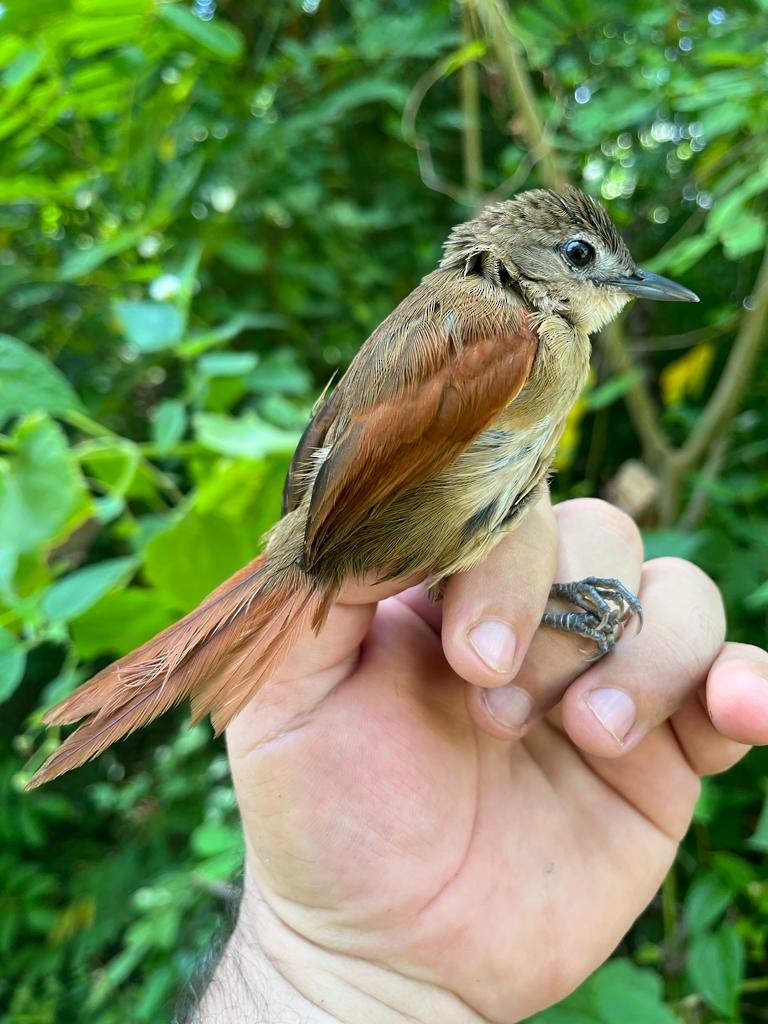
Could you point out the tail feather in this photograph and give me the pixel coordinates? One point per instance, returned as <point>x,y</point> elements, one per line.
<point>218,656</point>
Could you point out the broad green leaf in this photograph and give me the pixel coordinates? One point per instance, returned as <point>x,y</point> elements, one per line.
<point>150,326</point>
<point>676,543</point>
<point>279,372</point>
<point>75,593</point>
<point>40,486</point>
<point>168,424</point>
<point>706,900</point>
<point>219,37</point>
<point>716,965</point>
<point>633,995</point>
<point>13,658</point>
<point>29,383</point>
<point>188,560</point>
<point>248,436</point>
<point>618,991</point>
<point>564,1015</point>
<point>120,622</point>
<point>212,837</point>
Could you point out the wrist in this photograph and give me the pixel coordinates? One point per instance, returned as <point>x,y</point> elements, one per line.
<point>272,974</point>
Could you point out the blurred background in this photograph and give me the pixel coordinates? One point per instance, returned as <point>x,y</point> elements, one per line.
<point>205,210</point>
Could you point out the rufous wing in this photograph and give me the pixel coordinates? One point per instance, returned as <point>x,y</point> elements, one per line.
<point>452,389</point>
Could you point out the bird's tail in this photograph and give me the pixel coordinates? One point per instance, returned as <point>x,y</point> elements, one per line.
<point>217,656</point>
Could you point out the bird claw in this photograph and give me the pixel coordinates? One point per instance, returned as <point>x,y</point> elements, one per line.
<point>606,606</point>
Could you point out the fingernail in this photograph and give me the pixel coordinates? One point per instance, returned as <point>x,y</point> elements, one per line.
<point>509,705</point>
<point>494,641</point>
<point>615,711</point>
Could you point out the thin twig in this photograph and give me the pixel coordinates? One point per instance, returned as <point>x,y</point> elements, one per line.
<point>493,16</point>
<point>472,149</point>
<point>700,497</point>
<point>642,409</point>
<point>726,398</point>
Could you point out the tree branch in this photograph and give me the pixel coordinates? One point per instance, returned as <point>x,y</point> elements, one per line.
<point>670,462</point>
<point>727,396</point>
<point>472,150</point>
<point>640,404</point>
<point>493,16</point>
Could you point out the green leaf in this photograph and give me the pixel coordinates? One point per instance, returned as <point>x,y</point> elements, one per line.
<point>227,364</point>
<point>203,340</point>
<point>563,1015</point>
<point>168,424</point>
<point>716,965</point>
<point>150,326</point>
<point>75,593</point>
<point>29,383</point>
<point>40,486</point>
<point>13,658</point>
<point>611,390</point>
<point>624,992</point>
<point>675,543</point>
<point>187,561</point>
<point>279,372</point>
<point>706,900</point>
<point>120,622</point>
<point>678,258</point>
<point>248,437</point>
<point>219,37</point>
<point>212,837</point>
<point>618,991</point>
<point>759,838</point>
<point>743,235</point>
<point>81,262</point>
<point>758,598</point>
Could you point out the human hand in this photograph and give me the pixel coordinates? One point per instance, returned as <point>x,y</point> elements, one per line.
<point>412,857</point>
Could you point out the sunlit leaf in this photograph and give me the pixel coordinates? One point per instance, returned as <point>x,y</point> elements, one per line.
<point>168,424</point>
<point>13,658</point>
<point>219,37</point>
<point>247,436</point>
<point>150,326</point>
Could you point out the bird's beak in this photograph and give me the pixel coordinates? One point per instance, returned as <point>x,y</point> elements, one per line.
<point>646,285</point>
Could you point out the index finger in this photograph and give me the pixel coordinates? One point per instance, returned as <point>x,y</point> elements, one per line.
<point>492,612</point>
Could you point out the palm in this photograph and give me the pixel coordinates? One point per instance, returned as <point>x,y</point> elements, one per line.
<point>384,823</point>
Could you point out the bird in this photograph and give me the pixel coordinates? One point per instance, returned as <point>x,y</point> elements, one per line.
<point>432,446</point>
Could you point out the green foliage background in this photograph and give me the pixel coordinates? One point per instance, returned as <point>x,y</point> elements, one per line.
<point>204,212</point>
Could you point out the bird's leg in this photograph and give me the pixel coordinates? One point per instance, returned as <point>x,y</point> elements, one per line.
<point>606,606</point>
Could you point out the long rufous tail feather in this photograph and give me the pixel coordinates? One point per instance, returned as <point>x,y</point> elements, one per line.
<point>217,656</point>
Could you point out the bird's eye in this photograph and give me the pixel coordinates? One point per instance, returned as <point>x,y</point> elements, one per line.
<point>578,252</point>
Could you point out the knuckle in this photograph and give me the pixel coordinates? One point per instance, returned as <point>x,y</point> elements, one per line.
<point>604,517</point>
<point>690,576</point>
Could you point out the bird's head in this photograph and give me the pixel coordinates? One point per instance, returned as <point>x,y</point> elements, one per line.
<point>561,253</point>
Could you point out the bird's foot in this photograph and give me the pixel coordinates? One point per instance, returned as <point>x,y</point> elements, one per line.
<point>606,606</point>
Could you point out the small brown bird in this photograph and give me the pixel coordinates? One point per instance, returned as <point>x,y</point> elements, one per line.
<point>430,449</point>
